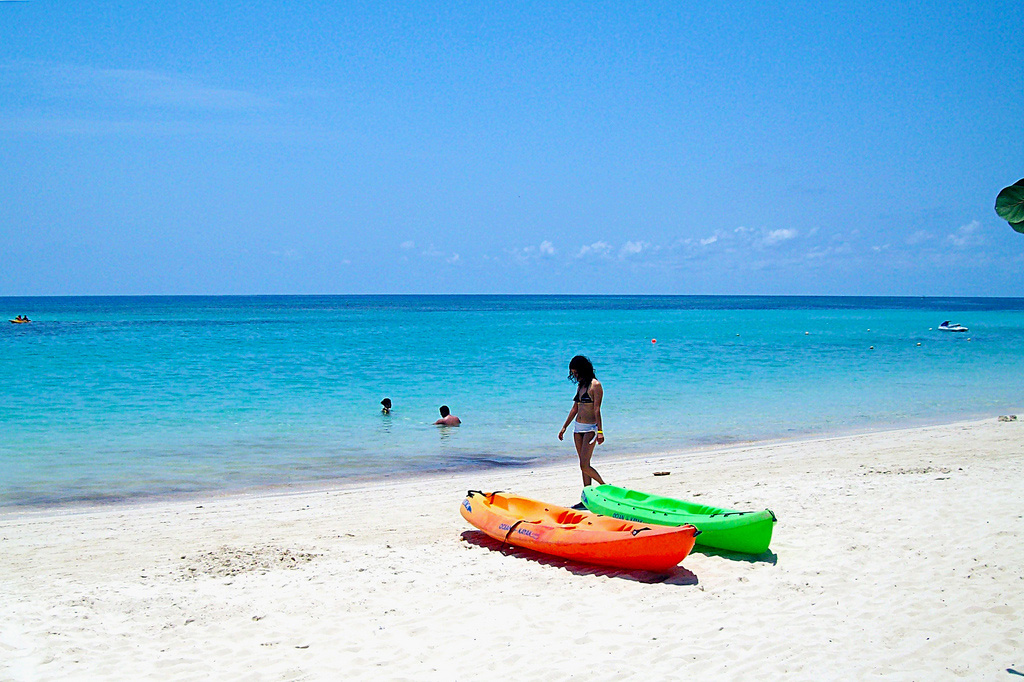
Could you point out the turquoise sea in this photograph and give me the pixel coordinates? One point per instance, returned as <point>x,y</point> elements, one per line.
<point>108,398</point>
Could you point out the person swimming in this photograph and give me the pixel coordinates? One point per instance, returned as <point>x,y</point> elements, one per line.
<point>447,418</point>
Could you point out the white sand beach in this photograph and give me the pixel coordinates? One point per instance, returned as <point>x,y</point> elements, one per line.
<point>897,555</point>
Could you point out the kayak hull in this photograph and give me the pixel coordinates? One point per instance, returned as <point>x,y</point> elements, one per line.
<point>728,529</point>
<point>577,535</point>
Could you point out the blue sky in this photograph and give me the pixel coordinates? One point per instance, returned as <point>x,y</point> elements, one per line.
<point>526,147</point>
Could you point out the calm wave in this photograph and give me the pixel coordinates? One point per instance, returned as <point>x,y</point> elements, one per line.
<point>111,398</point>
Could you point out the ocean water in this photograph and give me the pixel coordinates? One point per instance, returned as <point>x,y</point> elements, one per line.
<point>119,397</point>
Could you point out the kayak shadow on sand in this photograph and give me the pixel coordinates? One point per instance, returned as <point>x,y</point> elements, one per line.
<point>677,576</point>
<point>768,557</point>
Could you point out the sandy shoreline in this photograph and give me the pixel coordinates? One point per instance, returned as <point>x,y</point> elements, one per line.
<point>897,554</point>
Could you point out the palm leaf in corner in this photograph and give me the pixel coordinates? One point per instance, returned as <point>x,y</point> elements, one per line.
<point>1010,205</point>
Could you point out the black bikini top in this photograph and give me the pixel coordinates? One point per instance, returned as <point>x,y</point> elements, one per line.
<point>585,398</point>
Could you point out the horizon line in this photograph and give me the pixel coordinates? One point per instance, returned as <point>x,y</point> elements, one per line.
<point>480,294</point>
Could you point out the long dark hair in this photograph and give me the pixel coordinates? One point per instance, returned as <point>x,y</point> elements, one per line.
<point>584,371</point>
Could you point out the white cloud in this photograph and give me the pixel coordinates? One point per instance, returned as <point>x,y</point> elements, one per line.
<point>738,240</point>
<point>143,87</point>
<point>919,237</point>
<point>824,252</point>
<point>530,253</point>
<point>410,244</point>
<point>600,248</point>
<point>633,248</point>
<point>966,235</point>
<point>776,236</point>
<point>437,254</point>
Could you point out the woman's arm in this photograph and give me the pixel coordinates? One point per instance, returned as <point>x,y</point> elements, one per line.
<point>568,420</point>
<point>597,393</point>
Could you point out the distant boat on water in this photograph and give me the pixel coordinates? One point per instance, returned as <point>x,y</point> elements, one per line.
<point>948,326</point>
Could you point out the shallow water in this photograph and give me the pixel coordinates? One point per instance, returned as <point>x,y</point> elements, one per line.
<point>107,398</point>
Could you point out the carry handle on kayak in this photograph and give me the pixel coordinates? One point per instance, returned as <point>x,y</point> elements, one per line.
<point>739,513</point>
<point>481,493</point>
<point>514,526</point>
<point>696,531</point>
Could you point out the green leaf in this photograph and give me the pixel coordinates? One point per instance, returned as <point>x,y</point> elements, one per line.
<point>1010,205</point>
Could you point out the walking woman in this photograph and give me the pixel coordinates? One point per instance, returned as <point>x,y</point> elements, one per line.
<point>586,409</point>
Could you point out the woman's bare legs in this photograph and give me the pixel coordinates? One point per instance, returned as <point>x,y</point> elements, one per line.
<point>585,443</point>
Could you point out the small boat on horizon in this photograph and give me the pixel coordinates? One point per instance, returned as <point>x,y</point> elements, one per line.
<point>20,319</point>
<point>948,326</point>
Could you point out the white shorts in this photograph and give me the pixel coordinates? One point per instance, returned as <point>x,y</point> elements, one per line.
<point>584,428</point>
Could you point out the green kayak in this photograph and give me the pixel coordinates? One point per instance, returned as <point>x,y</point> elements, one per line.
<point>739,531</point>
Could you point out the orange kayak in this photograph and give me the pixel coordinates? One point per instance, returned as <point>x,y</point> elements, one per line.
<point>577,535</point>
